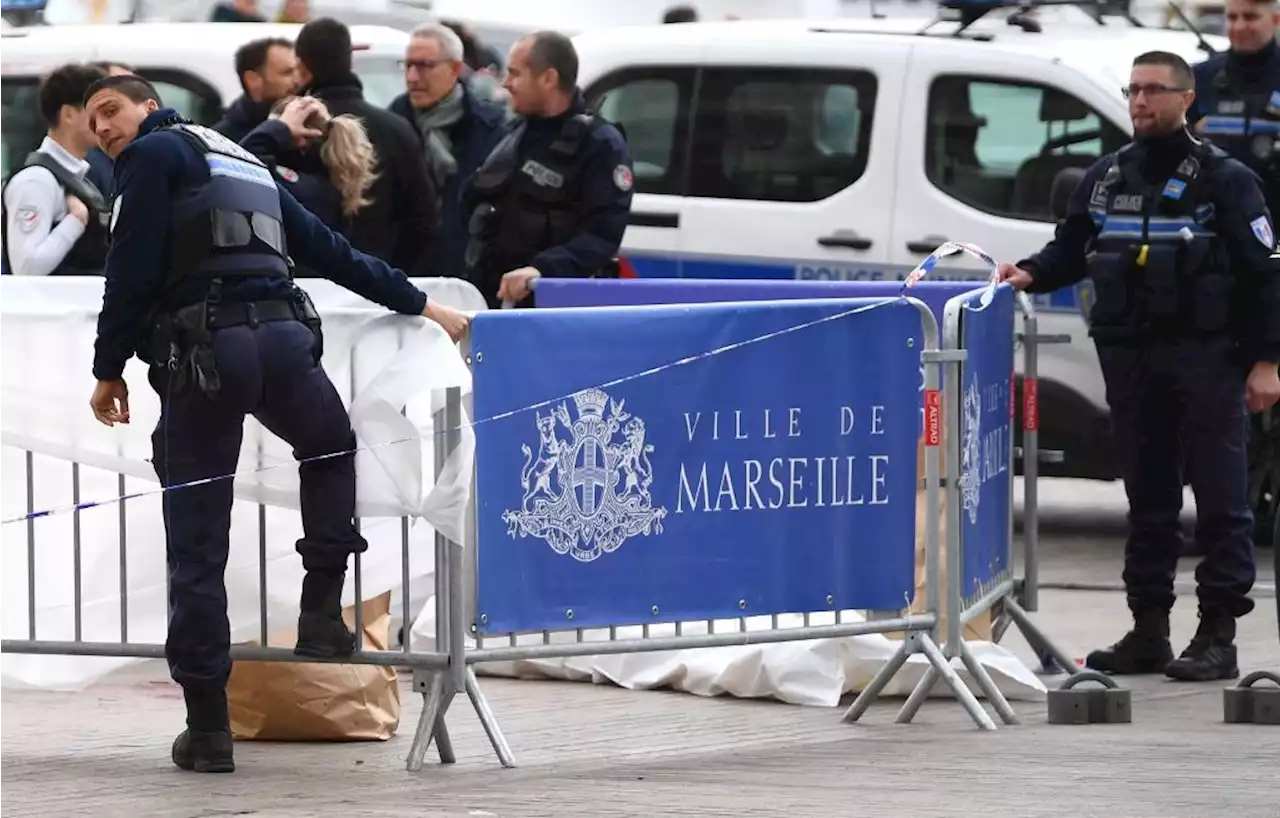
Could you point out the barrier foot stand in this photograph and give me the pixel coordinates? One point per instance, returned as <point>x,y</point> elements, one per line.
<point>444,744</point>
<point>940,666</point>
<point>489,720</point>
<point>435,703</point>
<point>1040,643</point>
<point>988,685</point>
<point>869,693</point>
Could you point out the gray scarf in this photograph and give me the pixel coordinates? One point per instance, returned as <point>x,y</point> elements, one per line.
<point>433,123</point>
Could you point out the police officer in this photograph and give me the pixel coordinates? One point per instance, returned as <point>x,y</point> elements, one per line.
<point>55,218</point>
<point>1237,102</point>
<point>198,284</point>
<point>553,197</point>
<point>1180,246</point>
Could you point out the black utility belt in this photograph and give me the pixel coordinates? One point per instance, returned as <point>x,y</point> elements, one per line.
<point>229,314</point>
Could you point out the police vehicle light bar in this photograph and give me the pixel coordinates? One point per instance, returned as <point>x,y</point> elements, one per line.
<point>23,5</point>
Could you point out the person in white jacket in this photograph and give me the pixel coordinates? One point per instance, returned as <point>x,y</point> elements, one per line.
<point>56,221</point>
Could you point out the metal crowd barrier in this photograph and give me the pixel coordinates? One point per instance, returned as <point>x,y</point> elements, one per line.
<point>1009,608</point>
<point>557,594</point>
<point>548,556</point>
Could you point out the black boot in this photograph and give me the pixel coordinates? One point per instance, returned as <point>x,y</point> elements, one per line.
<point>321,632</point>
<point>205,746</point>
<point>1211,654</point>
<point>1145,649</point>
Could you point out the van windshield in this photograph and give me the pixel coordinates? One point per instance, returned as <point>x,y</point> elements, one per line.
<point>381,76</point>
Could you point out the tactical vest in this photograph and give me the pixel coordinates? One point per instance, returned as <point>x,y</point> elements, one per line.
<point>525,207</point>
<point>1157,266</point>
<point>231,225</point>
<point>1245,122</point>
<point>88,256</point>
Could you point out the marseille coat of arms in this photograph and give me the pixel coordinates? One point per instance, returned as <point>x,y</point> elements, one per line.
<point>971,452</point>
<point>587,492</point>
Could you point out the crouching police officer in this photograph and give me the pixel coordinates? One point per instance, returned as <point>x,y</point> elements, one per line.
<point>1181,250</point>
<point>198,282</point>
<point>553,197</point>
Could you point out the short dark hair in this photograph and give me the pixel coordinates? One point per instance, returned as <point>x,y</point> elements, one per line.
<point>66,85</point>
<point>324,46</point>
<point>252,56</point>
<point>551,49</point>
<point>133,87</point>
<point>680,14</point>
<point>1182,75</point>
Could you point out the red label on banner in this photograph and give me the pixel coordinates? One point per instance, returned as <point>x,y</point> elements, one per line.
<point>932,417</point>
<point>1030,405</point>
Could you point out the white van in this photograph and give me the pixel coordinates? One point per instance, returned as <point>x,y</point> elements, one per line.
<point>192,65</point>
<point>851,149</point>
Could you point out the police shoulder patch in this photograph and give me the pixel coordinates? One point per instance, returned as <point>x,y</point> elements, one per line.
<point>28,215</point>
<point>622,178</point>
<point>287,174</point>
<point>1261,227</point>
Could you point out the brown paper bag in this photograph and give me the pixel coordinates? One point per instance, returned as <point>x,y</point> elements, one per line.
<point>306,701</point>
<point>978,628</point>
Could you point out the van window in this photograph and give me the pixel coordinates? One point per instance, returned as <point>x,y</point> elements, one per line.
<point>651,106</point>
<point>381,75</point>
<point>781,135</point>
<point>24,128</point>
<point>185,93</point>
<point>997,145</point>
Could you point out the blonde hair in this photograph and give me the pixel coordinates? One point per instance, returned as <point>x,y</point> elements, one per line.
<point>346,152</point>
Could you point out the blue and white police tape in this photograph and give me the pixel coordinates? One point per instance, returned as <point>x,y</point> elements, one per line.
<point>950,248</point>
<point>83,506</point>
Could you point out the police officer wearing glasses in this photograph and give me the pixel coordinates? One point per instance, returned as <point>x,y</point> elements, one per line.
<point>1180,246</point>
<point>198,284</point>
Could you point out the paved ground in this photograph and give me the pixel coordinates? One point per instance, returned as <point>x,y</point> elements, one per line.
<point>597,751</point>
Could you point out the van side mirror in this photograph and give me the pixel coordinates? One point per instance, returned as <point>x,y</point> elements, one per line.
<point>1064,184</point>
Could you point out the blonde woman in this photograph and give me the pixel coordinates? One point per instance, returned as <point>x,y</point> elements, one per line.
<point>325,162</point>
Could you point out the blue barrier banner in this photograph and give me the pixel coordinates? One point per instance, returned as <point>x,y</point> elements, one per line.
<point>710,461</point>
<point>986,437</point>
<point>615,292</point>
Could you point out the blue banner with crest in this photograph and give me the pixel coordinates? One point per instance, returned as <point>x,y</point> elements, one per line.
<point>669,463</point>
<point>986,437</point>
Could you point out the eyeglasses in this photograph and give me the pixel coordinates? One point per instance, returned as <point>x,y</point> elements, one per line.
<point>422,65</point>
<point>1131,91</point>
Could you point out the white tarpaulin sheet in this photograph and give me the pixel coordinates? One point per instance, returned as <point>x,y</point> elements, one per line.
<point>381,364</point>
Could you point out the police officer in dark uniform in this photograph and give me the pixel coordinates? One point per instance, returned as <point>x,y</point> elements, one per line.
<point>553,197</point>
<point>1237,102</point>
<point>198,284</point>
<point>1180,246</point>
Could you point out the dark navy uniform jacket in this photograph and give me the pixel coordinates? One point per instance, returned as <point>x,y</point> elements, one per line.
<point>1238,97</point>
<point>1236,196</point>
<point>148,173</point>
<point>605,191</point>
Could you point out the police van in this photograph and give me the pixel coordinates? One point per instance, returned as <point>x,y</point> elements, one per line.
<point>851,149</point>
<point>192,65</point>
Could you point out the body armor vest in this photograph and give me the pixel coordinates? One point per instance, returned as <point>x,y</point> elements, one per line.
<point>526,206</point>
<point>1157,266</point>
<point>231,225</point>
<point>88,256</point>
<point>1244,120</point>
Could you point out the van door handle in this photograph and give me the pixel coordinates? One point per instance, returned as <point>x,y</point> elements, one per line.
<point>648,219</point>
<point>850,240</point>
<point>926,245</point>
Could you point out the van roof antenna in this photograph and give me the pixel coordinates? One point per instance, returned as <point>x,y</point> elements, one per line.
<point>1201,42</point>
